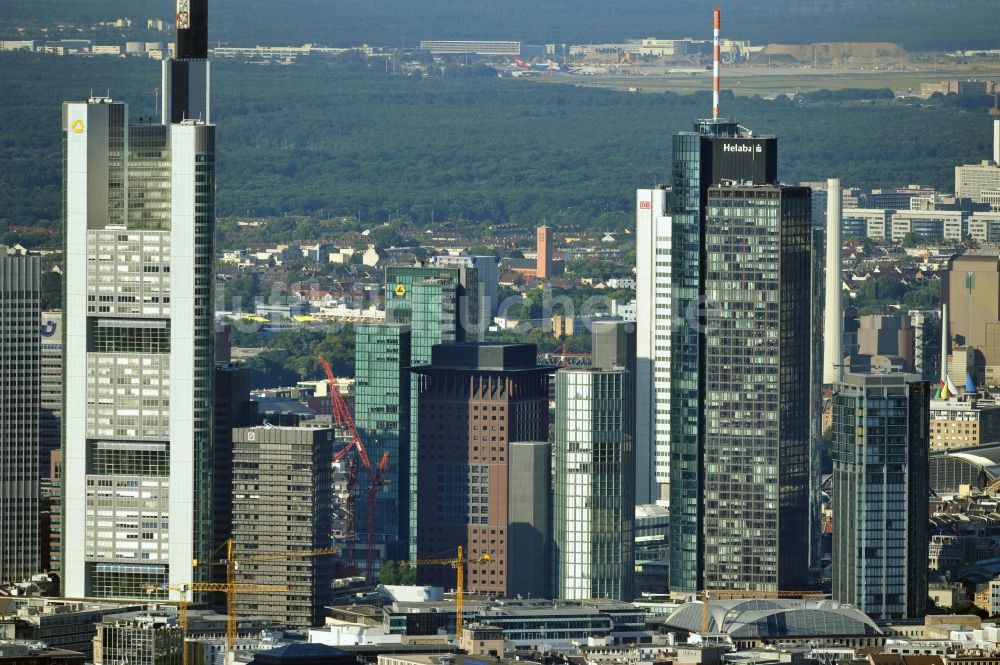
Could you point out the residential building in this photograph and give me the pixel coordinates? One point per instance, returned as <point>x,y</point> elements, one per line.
<point>474,401</point>
<point>757,387</point>
<point>880,554</point>
<point>382,415</point>
<point>20,395</point>
<point>969,421</point>
<point>140,639</point>
<point>594,505</point>
<point>283,505</point>
<point>971,289</point>
<point>140,232</point>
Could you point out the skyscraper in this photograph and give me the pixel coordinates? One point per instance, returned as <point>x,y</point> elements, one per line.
<point>594,507</point>
<point>139,220</point>
<point>440,304</point>
<point>880,471</point>
<point>756,387</point>
<point>283,503</point>
<point>232,409</point>
<point>382,415</point>
<point>717,150</point>
<point>20,392</point>
<point>697,303</point>
<point>654,326</point>
<point>474,401</point>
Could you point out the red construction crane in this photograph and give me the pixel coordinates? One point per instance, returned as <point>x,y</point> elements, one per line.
<point>376,485</point>
<point>343,420</point>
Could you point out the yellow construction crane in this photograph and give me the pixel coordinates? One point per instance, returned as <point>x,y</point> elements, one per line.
<point>182,602</point>
<point>230,587</point>
<point>459,563</point>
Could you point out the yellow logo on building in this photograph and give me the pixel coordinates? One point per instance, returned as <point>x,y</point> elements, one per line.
<point>400,291</point>
<point>77,126</point>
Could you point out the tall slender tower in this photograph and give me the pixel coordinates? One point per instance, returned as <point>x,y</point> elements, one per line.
<point>713,388</point>
<point>140,226</point>
<point>20,377</point>
<point>833,315</point>
<point>654,296</point>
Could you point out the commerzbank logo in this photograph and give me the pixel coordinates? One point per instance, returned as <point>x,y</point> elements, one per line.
<point>741,147</point>
<point>77,126</point>
<point>399,291</point>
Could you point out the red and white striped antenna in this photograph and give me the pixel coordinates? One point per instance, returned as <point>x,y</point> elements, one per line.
<point>715,64</point>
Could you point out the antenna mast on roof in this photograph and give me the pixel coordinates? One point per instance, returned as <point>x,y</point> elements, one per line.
<point>715,64</point>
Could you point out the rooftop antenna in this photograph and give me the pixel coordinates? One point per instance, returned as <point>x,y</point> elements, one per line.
<point>715,64</point>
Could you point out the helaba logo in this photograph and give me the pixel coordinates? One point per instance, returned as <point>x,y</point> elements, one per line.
<point>741,147</point>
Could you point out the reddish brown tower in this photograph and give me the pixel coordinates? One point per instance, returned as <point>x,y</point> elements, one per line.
<point>474,400</point>
<point>543,264</point>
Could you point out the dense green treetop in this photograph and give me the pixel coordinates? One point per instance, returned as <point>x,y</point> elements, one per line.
<point>341,139</point>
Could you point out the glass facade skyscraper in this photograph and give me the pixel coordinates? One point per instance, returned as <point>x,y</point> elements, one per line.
<point>756,387</point>
<point>723,399</point>
<point>880,471</point>
<point>715,151</point>
<point>440,304</point>
<point>594,507</point>
<point>20,395</point>
<point>382,415</point>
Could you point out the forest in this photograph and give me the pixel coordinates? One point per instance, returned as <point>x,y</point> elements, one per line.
<point>916,24</point>
<point>330,139</point>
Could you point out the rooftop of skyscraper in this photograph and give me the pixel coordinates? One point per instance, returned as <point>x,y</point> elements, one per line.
<point>484,356</point>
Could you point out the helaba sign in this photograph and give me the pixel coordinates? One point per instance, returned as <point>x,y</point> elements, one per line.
<point>742,147</point>
<point>744,159</point>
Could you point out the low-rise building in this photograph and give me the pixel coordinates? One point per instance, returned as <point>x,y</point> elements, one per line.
<point>142,639</point>
<point>962,423</point>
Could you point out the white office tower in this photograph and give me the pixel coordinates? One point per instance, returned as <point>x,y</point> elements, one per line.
<point>833,316</point>
<point>140,225</point>
<point>654,318</point>
<point>996,142</point>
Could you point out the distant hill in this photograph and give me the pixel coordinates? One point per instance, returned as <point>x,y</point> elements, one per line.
<point>915,24</point>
